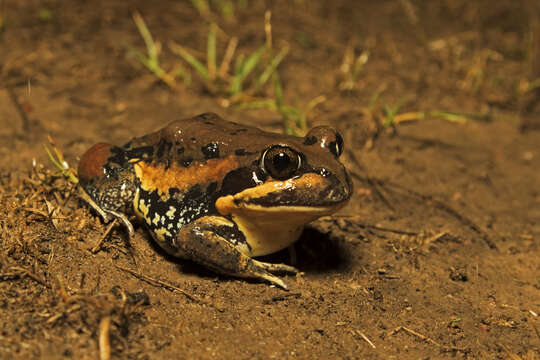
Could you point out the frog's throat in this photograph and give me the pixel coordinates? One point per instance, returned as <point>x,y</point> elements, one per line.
<point>270,228</point>
<point>267,234</point>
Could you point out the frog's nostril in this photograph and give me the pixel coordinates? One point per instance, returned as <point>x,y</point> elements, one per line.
<point>324,172</point>
<point>91,164</point>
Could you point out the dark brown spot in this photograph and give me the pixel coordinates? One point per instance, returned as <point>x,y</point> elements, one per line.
<point>310,140</point>
<point>207,116</point>
<point>210,151</point>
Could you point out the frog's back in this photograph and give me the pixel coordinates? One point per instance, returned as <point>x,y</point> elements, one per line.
<point>200,138</point>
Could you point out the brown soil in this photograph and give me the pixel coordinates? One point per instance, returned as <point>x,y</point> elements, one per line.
<point>436,257</point>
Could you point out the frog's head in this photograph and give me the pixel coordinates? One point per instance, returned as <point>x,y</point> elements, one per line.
<point>297,181</point>
<point>106,182</point>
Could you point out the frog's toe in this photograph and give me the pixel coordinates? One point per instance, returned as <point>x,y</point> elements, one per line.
<point>124,220</point>
<point>277,268</point>
<point>263,275</point>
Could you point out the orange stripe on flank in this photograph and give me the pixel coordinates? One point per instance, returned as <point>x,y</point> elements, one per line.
<point>157,177</point>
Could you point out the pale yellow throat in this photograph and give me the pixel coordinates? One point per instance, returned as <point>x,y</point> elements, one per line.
<point>268,230</point>
<point>271,228</point>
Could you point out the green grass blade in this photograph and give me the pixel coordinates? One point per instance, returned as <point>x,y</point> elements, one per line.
<point>190,59</point>
<point>278,91</point>
<point>238,63</point>
<point>245,69</point>
<point>202,7</point>
<point>263,78</point>
<point>147,37</point>
<point>252,61</point>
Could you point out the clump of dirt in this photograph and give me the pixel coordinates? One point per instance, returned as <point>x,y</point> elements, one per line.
<point>436,256</point>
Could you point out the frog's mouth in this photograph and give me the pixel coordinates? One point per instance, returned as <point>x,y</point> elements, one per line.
<point>310,194</point>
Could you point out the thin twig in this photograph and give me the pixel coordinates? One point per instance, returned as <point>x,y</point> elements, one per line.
<point>163,284</point>
<point>96,247</point>
<point>427,339</point>
<point>62,290</point>
<point>31,275</point>
<point>365,338</point>
<point>104,341</point>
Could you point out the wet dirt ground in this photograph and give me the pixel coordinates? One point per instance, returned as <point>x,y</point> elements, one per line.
<point>436,256</point>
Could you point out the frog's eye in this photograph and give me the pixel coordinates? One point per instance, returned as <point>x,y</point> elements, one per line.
<point>280,162</point>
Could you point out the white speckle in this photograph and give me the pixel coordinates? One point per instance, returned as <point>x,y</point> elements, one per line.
<point>155,220</point>
<point>170,213</point>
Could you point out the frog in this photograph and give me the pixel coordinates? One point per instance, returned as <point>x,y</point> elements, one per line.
<point>219,193</point>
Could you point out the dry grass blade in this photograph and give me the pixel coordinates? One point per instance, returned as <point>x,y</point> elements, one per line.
<point>351,67</point>
<point>31,275</point>
<point>363,336</point>
<point>229,54</point>
<point>104,338</point>
<point>268,28</point>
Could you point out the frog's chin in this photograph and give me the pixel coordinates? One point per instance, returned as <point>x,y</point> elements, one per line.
<point>268,230</point>
<point>271,229</point>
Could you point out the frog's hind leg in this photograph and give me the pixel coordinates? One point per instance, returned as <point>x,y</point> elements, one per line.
<point>216,243</point>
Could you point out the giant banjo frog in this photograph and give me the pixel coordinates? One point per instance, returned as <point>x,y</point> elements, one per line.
<point>217,192</point>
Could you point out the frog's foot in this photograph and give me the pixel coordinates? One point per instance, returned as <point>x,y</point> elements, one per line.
<point>107,215</point>
<point>123,220</point>
<point>213,242</point>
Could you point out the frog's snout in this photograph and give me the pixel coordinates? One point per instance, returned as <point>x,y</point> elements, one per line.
<point>92,161</point>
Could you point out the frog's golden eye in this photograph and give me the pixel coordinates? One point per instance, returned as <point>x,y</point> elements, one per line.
<point>280,162</point>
